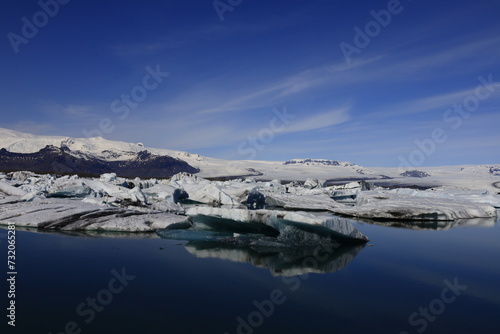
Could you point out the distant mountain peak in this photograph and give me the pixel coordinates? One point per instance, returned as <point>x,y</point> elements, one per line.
<point>62,160</point>
<point>317,162</point>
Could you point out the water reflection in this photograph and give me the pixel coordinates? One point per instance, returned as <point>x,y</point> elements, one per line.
<point>435,224</point>
<point>280,262</point>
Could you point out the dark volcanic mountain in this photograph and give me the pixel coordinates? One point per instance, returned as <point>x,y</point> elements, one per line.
<point>56,160</point>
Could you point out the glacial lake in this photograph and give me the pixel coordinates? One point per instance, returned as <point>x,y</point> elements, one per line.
<point>403,281</point>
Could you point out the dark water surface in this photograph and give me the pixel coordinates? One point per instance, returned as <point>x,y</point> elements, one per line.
<point>403,281</point>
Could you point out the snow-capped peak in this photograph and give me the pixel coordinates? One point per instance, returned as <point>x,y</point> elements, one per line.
<point>317,162</point>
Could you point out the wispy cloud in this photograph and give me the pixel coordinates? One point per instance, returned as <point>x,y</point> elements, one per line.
<point>206,99</point>
<point>320,120</point>
<point>440,101</point>
<point>440,56</point>
<point>273,93</point>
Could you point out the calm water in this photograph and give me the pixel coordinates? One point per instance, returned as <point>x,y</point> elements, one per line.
<point>166,289</point>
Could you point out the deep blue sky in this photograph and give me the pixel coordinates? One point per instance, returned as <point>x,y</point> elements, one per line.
<point>226,77</point>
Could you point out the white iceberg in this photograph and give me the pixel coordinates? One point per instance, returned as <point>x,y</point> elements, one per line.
<point>339,229</point>
<point>387,205</point>
<point>67,214</point>
<point>10,190</point>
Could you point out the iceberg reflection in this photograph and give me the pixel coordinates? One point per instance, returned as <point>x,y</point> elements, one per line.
<point>435,224</point>
<point>281,258</point>
<point>283,262</point>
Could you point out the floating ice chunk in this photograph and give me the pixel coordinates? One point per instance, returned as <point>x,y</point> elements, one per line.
<point>49,211</point>
<point>165,192</point>
<point>136,195</point>
<point>273,186</point>
<point>295,250</point>
<point>181,179</point>
<point>10,190</point>
<point>101,189</point>
<point>237,190</point>
<point>476,196</point>
<point>69,188</point>
<point>22,175</point>
<point>108,177</point>
<point>376,204</point>
<point>209,193</point>
<point>66,214</point>
<point>201,190</point>
<point>493,200</point>
<point>314,183</point>
<point>30,196</point>
<point>301,202</point>
<point>127,222</point>
<point>339,228</point>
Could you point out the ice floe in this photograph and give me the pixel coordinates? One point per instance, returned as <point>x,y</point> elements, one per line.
<point>67,214</point>
<point>289,213</point>
<point>339,229</point>
<point>388,205</point>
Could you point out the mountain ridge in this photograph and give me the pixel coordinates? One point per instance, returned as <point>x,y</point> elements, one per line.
<point>55,160</point>
<point>152,162</point>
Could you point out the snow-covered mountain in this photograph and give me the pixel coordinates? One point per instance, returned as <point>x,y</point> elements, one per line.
<point>22,151</point>
<point>317,162</point>
<point>86,156</point>
<point>55,160</point>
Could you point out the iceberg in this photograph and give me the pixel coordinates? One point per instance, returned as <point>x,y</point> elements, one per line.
<point>302,227</point>
<point>201,190</point>
<point>320,202</point>
<point>476,196</point>
<point>10,190</point>
<point>69,189</point>
<point>393,205</point>
<point>68,215</point>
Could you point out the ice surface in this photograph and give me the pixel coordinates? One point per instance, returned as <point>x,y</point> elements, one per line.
<point>311,183</point>
<point>390,205</point>
<point>477,196</point>
<point>10,190</point>
<point>66,214</point>
<point>301,202</point>
<point>68,189</point>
